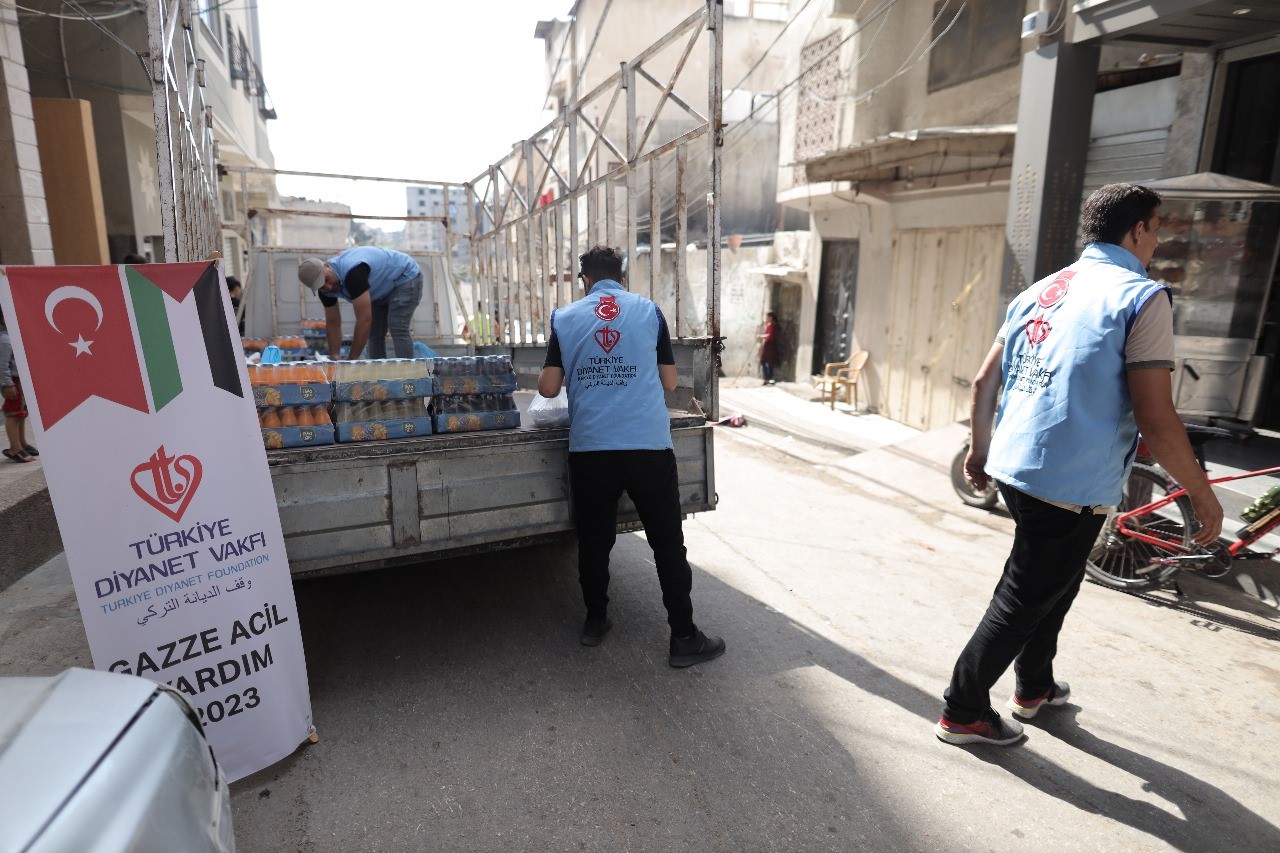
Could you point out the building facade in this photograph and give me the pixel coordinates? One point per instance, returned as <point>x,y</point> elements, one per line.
<point>95,127</point>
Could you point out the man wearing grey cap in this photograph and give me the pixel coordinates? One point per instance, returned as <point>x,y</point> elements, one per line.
<point>384,288</point>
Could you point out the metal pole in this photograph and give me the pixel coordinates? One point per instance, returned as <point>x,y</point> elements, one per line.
<point>715,143</point>
<point>629,81</point>
<point>530,252</point>
<point>655,231</point>
<point>571,117</point>
<point>158,56</point>
<point>682,233</point>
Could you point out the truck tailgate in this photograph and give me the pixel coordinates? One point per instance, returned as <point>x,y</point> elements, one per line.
<point>355,507</point>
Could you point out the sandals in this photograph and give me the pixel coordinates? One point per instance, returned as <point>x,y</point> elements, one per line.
<point>29,450</point>
<point>20,456</point>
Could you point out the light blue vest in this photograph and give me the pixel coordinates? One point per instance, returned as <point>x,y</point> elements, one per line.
<point>608,345</point>
<point>388,269</point>
<point>1065,430</point>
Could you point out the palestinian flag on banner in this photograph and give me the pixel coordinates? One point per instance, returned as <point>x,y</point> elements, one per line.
<point>91,332</point>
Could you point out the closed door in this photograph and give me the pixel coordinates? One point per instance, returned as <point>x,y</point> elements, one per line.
<point>942,321</point>
<point>837,287</point>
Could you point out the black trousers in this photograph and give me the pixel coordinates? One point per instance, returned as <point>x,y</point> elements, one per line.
<point>1040,581</point>
<point>649,477</point>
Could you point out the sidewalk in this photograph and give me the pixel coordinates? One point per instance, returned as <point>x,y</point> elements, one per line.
<point>889,459</point>
<point>792,408</point>
<point>27,513</point>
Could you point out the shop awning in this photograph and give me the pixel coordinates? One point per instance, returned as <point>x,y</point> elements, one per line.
<point>778,271</point>
<point>1189,23</point>
<point>1210,186</point>
<point>920,153</point>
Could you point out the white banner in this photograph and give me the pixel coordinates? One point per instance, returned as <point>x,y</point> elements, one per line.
<point>143,414</point>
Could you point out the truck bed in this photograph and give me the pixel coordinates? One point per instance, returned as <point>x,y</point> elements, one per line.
<point>356,507</point>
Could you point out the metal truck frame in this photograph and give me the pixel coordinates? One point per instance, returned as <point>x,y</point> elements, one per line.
<point>353,507</point>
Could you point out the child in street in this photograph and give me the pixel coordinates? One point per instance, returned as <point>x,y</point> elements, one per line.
<point>15,409</point>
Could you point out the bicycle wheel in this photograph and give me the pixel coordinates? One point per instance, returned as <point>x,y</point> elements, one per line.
<point>984,499</point>
<point>1123,562</point>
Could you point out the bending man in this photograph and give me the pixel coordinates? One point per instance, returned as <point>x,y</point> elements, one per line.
<point>384,288</point>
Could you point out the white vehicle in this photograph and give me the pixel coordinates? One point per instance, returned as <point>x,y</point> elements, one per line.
<point>99,761</point>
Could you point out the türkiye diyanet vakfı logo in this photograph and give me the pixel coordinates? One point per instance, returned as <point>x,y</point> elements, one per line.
<point>91,332</point>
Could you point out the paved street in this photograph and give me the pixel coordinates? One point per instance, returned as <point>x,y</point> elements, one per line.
<point>458,712</point>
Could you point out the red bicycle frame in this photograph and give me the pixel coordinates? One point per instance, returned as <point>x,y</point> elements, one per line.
<point>1234,548</point>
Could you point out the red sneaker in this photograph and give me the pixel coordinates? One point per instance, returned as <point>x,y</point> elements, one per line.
<point>989,728</point>
<point>1027,707</point>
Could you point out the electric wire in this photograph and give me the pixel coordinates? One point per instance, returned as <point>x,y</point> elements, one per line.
<point>118,12</point>
<point>862,97</point>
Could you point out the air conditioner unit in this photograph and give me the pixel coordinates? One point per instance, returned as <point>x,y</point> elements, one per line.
<point>1035,24</point>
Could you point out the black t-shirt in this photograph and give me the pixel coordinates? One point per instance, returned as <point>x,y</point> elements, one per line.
<point>665,355</point>
<point>356,283</point>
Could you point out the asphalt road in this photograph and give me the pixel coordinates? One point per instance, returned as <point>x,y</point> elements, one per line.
<point>457,711</point>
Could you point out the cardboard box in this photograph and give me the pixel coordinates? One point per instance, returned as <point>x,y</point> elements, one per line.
<point>477,421</point>
<point>276,438</point>
<point>302,394</point>
<point>384,430</point>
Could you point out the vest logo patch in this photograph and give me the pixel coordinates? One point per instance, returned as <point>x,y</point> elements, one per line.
<point>1038,330</point>
<point>1051,294</point>
<point>608,338</point>
<point>607,309</point>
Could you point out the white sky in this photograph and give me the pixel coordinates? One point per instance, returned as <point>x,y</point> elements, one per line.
<point>425,89</point>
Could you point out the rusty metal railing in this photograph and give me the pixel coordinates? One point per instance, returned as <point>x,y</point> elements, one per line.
<point>186,153</point>
<point>572,185</point>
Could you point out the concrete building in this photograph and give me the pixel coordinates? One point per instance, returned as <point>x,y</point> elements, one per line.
<point>1201,98</point>
<point>309,231</point>
<point>94,120</point>
<point>910,124</point>
<point>431,236</point>
<point>901,154</point>
<point>25,236</point>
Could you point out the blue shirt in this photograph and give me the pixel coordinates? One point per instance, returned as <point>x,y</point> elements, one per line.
<point>388,269</point>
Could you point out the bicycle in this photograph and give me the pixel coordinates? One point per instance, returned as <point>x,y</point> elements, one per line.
<point>1146,540</point>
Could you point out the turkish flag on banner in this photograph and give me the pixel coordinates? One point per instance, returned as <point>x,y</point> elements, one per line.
<point>79,343</point>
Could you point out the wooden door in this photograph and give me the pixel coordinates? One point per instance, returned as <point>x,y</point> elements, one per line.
<point>942,321</point>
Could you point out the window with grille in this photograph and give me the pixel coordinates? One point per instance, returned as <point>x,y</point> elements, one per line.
<point>816,103</point>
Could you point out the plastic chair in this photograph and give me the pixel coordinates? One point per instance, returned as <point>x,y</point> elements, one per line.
<point>848,379</point>
<point>840,373</point>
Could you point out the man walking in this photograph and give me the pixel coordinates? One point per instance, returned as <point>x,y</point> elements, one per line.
<point>614,349</point>
<point>1084,361</point>
<point>384,288</point>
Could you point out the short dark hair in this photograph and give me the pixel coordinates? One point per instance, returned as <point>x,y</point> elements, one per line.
<point>601,262</point>
<point>1111,210</point>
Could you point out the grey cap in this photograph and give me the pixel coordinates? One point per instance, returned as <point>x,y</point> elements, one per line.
<point>311,273</point>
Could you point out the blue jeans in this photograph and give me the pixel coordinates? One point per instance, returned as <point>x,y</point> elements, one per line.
<point>395,311</point>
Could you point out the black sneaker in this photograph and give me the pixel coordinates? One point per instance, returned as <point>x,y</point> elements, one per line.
<point>593,631</point>
<point>687,651</point>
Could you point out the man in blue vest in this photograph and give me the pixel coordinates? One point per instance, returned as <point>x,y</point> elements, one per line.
<point>614,350</point>
<point>1084,361</point>
<point>384,288</point>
